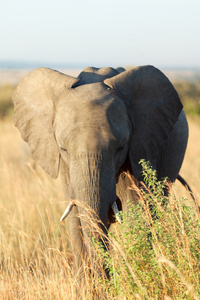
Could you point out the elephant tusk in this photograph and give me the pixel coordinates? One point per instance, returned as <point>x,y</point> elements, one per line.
<point>116,212</point>
<point>67,211</point>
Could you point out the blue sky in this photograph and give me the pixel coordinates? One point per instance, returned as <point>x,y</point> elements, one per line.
<point>101,33</point>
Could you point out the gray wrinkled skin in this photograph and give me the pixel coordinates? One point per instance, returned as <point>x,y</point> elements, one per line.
<point>95,127</point>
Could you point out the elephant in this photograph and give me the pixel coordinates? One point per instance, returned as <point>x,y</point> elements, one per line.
<point>95,127</point>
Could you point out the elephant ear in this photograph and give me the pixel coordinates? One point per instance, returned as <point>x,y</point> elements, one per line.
<point>34,101</point>
<point>154,107</point>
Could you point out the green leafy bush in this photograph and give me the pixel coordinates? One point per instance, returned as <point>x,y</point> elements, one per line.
<point>153,258</point>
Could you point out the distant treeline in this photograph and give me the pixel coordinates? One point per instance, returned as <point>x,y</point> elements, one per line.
<point>188,91</point>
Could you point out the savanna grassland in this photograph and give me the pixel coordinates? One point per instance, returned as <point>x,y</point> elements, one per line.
<point>149,259</point>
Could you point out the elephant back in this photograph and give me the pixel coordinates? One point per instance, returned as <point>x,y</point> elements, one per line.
<point>92,75</point>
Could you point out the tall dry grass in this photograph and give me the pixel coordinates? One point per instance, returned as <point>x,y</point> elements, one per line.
<point>34,246</point>
<point>191,166</point>
<point>35,254</point>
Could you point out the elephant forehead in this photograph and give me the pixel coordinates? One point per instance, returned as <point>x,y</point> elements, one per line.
<point>98,112</point>
<point>81,113</point>
<point>84,107</point>
<point>90,103</point>
<point>109,121</point>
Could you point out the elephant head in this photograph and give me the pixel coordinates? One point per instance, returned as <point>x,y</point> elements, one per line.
<point>93,127</point>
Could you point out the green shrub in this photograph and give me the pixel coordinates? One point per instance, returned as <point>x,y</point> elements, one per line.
<point>153,258</point>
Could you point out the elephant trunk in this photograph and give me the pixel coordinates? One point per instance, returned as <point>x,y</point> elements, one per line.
<point>93,190</point>
<point>93,184</point>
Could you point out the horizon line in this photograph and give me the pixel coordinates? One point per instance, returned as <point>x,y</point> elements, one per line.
<point>25,65</point>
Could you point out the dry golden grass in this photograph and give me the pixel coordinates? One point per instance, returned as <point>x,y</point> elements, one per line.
<point>191,166</point>
<point>34,251</point>
<point>32,239</point>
